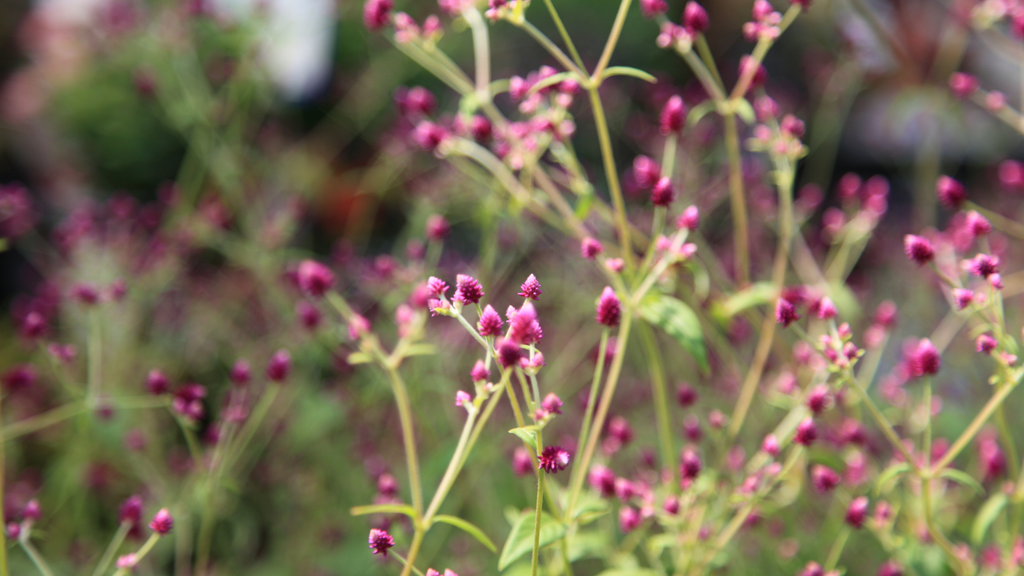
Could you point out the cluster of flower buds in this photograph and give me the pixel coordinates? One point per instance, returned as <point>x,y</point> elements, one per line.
<point>681,36</point>
<point>783,141</point>
<point>765,24</point>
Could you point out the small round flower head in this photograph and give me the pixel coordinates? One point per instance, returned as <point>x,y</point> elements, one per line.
<point>651,9</point>
<point>553,459</point>
<point>602,479</point>
<point>918,249</point>
<point>308,314</point>
<point>963,85</point>
<point>524,327</point>
<point>805,4</point>
<point>126,562</point>
<point>662,194</point>
<point>609,308</point>
<point>32,510</point>
<point>619,428</point>
<point>387,485</point>
<point>770,445</point>
<point>985,344</point>
<point>552,404</point>
<point>377,13</point>
<point>983,265</point>
<point>827,309</point>
<point>689,464</point>
<point>890,568</point>
<point>85,293</point>
<point>437,228</point>
<point>162,522</point>
<point>33,325</point>
<point>436,286</point>
<point>785,312</point>
<point>314,278</point>
<point>590,248</point>
<point>416,100</point>
<point>467,290</point>
<point>629,519</point>
<point>479,373</point>
<point>522,464</point>
<point>671,505</point>
<point>429,135</point>
<point>380,541</point>
<point>240,373</point>
<point>806,432</point>
<point>673,115</point>
<point>824,478</point>
<point>951,193</point>
<point>130,510</point>
<point>695,18</point>
<point>490,322</point>
<point>358,326</point>
<point>760,73</point>
<point>819,399</point>
<point>531,288</point>
<point>20,377</point>
<point>463,398</point>
<point>857,512</point>
<point>963,298</point>
<point>13,530</point>
<point>509,353</point>
<point>157,383</point>
<point>686,395</point>
<point>689,219</point>
<point>1011,175</point>
<point>480,128</point>
<point>279,366</point>
<point>925,359</point>
<point>977,224</point>
<point>646,172</point>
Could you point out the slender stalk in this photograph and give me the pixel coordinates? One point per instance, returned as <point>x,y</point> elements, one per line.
<point>612,174</point>
<point>453,469</point>
<point>115,543</point>
<point>884,424</point>
<point>757,56</point>
<point>35,556</point>
<point>140,554</point>
<point>661,413</point>
<point>975,425</point>
<point>40,421</point>
<point>409,441</point>
<point>709,59</point>
<point>406,563</point>
<point>706,78</point>
<point>95,355</point>
<point>738,203</point>
<point>552,48</point>
<point>565,34</point>
<point>481,53</point>
<point>933,529</point>
<point>837,548</point>
<point>414,550</point>
<point>251,424</point>
<point>613,39</point>
<point>537,512</point>
<point>576,478</point>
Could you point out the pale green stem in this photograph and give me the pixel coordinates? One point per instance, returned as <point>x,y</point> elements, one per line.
<point>837,548</point>
<point>481,53</point>
<point>565,36</point>
<point>661,412</point>
<point>537,512</point>
<point>115,543</point>
<point>95,355</point>
<point>706,79</point>
<point>738,203</point>
<point>975,425</point>
<point>251,424</point>
<point>140,554</point>
<point>409,441</point>
<point>757,56</point>
<point>41,421</point>
<point>453,469</point>
<point>613,39</point>
<point>34,555</point>
<point>933,529</point>
<point>611,173</point>
<point>884,424</point>
<point>575,480</point>
<point>552,49</point>
<point>406,563</point>
<point>709,59</point>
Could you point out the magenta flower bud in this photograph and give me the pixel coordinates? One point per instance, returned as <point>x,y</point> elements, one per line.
<point>689,219</point>
<point>531,288</point>
<point>885,314</point>
<point>463,398</point>
<point>162,522</point>
<point>624,489</point>
<point>309,315</point>
<point>619,428</point>
<point>689,464</point>
<point>792,126</point>
<point>130,510</point>
<point>673,116</point>
<point>380,541</point>
<point>1011,175</point>
<point>819,399</point>
<point>918,249</point>
<point>951,193</point>
<point>429,135</point>
<point>671,505</point>
<point>827,309</point>
<point>590,248</point>
<point>522,464</point>
<point>479,373</point>
<point>925,359</point>
<point>760,74</point>
<point>314,278</point>
<point>963,298</point>
<point>662,194</point>
<point>524,327</point>
<point>857,512</point>
<point>157,383</point>
<point>240,373</point>
<point>977,224</point>
<point>983,265</point>
<point>686,395</point>
<point>387,485</point>
<point>509,353</point>
<point>963,85</point>
<point>824,478</point>
<point>805,4</point>
<point>32,510</point>
<point>279,366</point>
<point>770,445</point>
<point>890,568</point>
<point>85,293</point>
<point>602,479</point>
<point>651,9</point>
<point>377,13</point>
<point>13,530</point>
<point>20,377</point>
<point>629,519</point>
<point>646,172</point>
<point>785,312</point>
<point>467,290</point>
<point>436,286</point>
<point>553,459</point>
<point>437,228</point>
<point>480,128</point>
<point>813,569</point>
<point>806,432</point>
<point>695,18</point>
<point>552,404</point>
<point>33,325</point>
<point>490,322</point>
<point>986,344</point>
<point>609,308</point>
<point>127,561</point>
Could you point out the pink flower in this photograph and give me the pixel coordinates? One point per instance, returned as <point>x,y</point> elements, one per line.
<point>553,459</point>
<point>785,312</point>
<point>162,522</point>
<point>279,366</point>
<point>646,172</point>
<point>552,404</point>
<point>629,519</point>
<point>983,265</point>
<point>689,464</point>
<point>609,308</point>
<point>986,344</point>
<point>653,8</point>
<point>531,288</point>
<point>806,432</point>
<point>602,479</point>
<point>463,398</point>
<point>437,228</point>
<point>770,445</point>
<point>824,478</point>
<point>490,322</point>
<point>467,290</point>
<point>689,219</point>
<point>951,193</point>
<point>590,248</point>
<point>673,115</point>
<point>524,327</point>
<point>522,464</point>
<point>963,298</point>
<point>479,373</point>
<point>157,383</point>
<point>314,278</point>
<point>662,194</point>
<point>380,541</point>
<point>857,512</point>
<point>963,85</point>
<point>918,249</point>
<point>377,13</point>
<point>436,286</point>
<point>819,399</point>
<point>695,18</point>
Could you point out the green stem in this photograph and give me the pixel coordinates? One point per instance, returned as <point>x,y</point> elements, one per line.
<point>565,35</point>
<point>115,543</point>
<point>40,421</point>
<point>34,555</point>
<point>95,354</point>
<point>408,439</point>
<point>738,203</point>
<point>251,424</point>
<point>611,173</point>
<point>975,425</point>
<point>481,53</point>
<point>140,554</point>
<point>552,49</point>
<point>613,39</point>
<point>933,529</point>
<point>453,469</point>
<point>884,424</point>
<point>537,511</point>
<point>757,56</point>
<point>837,548</point>
<point>408,565</point>
<point>709,59</point>
<point>578,473</point>
<point>661,413</point>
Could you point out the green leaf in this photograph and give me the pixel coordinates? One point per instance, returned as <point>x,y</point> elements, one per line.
<point>383,509</point>
<point>756,294</point>
<point>745,111</point>
<point>890,473</point>
<point>627,71</point>
<point>421,350</point>
<point>359,358</point>
<point>520,540</point>
<point>583,205</point>
<point>551,81</point>
<point>588,545</point>
<point>990,510</point>
<point>469,529</point>
<point>633,572</point>
<point>961,477</point>
<point>699,111</point>
<point>679,322</point>
<point>527,433</point>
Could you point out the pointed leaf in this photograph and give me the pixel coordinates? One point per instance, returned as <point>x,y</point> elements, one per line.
<point>678,321</point>
<point>627,71</point>
<point>699,111</point>
<point>520,540</point>
<point>745,111</point>
<point>961,477</point>
<point>890,473</point>
<point>383,509</point>
<point>469,529</point>
<point>987,515</point>
<point>527,433</point>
